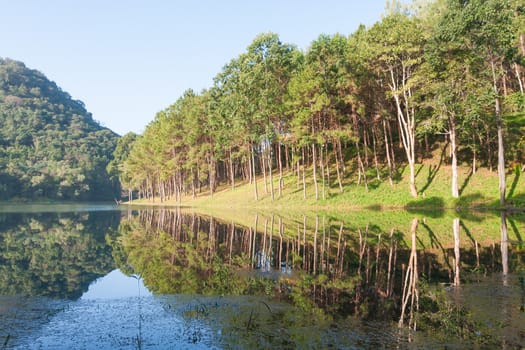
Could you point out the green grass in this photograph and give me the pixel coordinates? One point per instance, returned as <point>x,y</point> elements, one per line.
<point>478,191</point>
<point>383,208</point>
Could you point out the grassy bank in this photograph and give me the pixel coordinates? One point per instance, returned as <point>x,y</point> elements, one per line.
<point>358,209</point>
<point>478,191</point>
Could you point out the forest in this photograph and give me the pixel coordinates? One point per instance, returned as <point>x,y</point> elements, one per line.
<point>50,146</point>
<point>446,74</point>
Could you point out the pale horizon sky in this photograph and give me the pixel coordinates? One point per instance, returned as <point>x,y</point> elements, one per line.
<point>128,60</point>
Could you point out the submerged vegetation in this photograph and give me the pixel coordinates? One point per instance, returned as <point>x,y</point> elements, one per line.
<point>441,86</point>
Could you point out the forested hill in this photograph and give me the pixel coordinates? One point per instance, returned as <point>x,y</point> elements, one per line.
<point>50,146</point>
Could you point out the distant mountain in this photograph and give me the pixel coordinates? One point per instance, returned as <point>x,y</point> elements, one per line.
<point>50,146</point>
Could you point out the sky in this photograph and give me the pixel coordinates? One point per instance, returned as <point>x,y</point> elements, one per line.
<point>128,60</point>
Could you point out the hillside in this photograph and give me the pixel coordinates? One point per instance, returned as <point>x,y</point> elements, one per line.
<point>50,146</point>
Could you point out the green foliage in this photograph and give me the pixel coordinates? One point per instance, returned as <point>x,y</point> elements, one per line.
<point>50,145</point>
<point>394,93</point>
<point>54,255</point>
<point>116,167</point>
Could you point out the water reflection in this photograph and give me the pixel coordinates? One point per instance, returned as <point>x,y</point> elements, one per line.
<point>358,279</point>
<point>54,254</point>
<point>327,266</point>
<point>504,246</point>
<point>47,260</point>
<point>116,285</point>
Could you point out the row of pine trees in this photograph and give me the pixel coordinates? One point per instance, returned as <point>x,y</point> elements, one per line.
<point>359,105</point>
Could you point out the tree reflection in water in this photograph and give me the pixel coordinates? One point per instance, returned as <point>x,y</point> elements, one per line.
<point>55,255</point>
<point>330,269</point>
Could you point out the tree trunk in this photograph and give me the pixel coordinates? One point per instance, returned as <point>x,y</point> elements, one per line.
<point>501,149</point>
<point>253,174</point>
<point>518,75</point>
<point>232,173</point>
<point>337,166</point>
<point>361,166</point>
<point>298,170</point>
<point>327,167</point>
<point>315,172</point>
<point>321,164</point>
<point>287,155</point>
<point>211,174</point>
<point>522,43</point>
<point>270,172</point>
<point>341,158</point>
<point>453,149</point>
<point>250,167</point>
<point>504,82</point>
<point>413,188</point>
<point>375,153</point>
<point>281,185</point>
<point>161,189</point>
<point>315,244</point>
<point>387,151</point>
<point>392,149</point>
<point>407,126</point>
<point>501,155</point>
<point>489,150</point>
<point>263,167</point>
<point>474,155</point>
<point>304,180</point>
<point>365,146</point>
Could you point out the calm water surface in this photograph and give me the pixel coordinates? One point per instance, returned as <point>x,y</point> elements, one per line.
<point>104,277</point>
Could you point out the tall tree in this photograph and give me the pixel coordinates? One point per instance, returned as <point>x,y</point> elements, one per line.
<point>486,28</point>
<point>395,55</point>
<point>269,63</point>
<point>453,93</point>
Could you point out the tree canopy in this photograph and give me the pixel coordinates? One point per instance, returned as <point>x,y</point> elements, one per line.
<point>50,146</point>
<point>449,74</point>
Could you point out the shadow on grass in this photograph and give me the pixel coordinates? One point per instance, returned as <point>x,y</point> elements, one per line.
<point>397,174</point>
<point>433,170</point>
<point>374,184</point>
<point>433,207</point>
<point>419,170</point>
<point>465,183</point>
<point>517,173</point>
<point>517,201</point>
<point>474,200</point>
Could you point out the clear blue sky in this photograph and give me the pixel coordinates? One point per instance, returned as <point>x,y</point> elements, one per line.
<point>127,60</point>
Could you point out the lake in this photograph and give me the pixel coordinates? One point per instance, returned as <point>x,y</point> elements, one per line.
<point>98,276</point>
